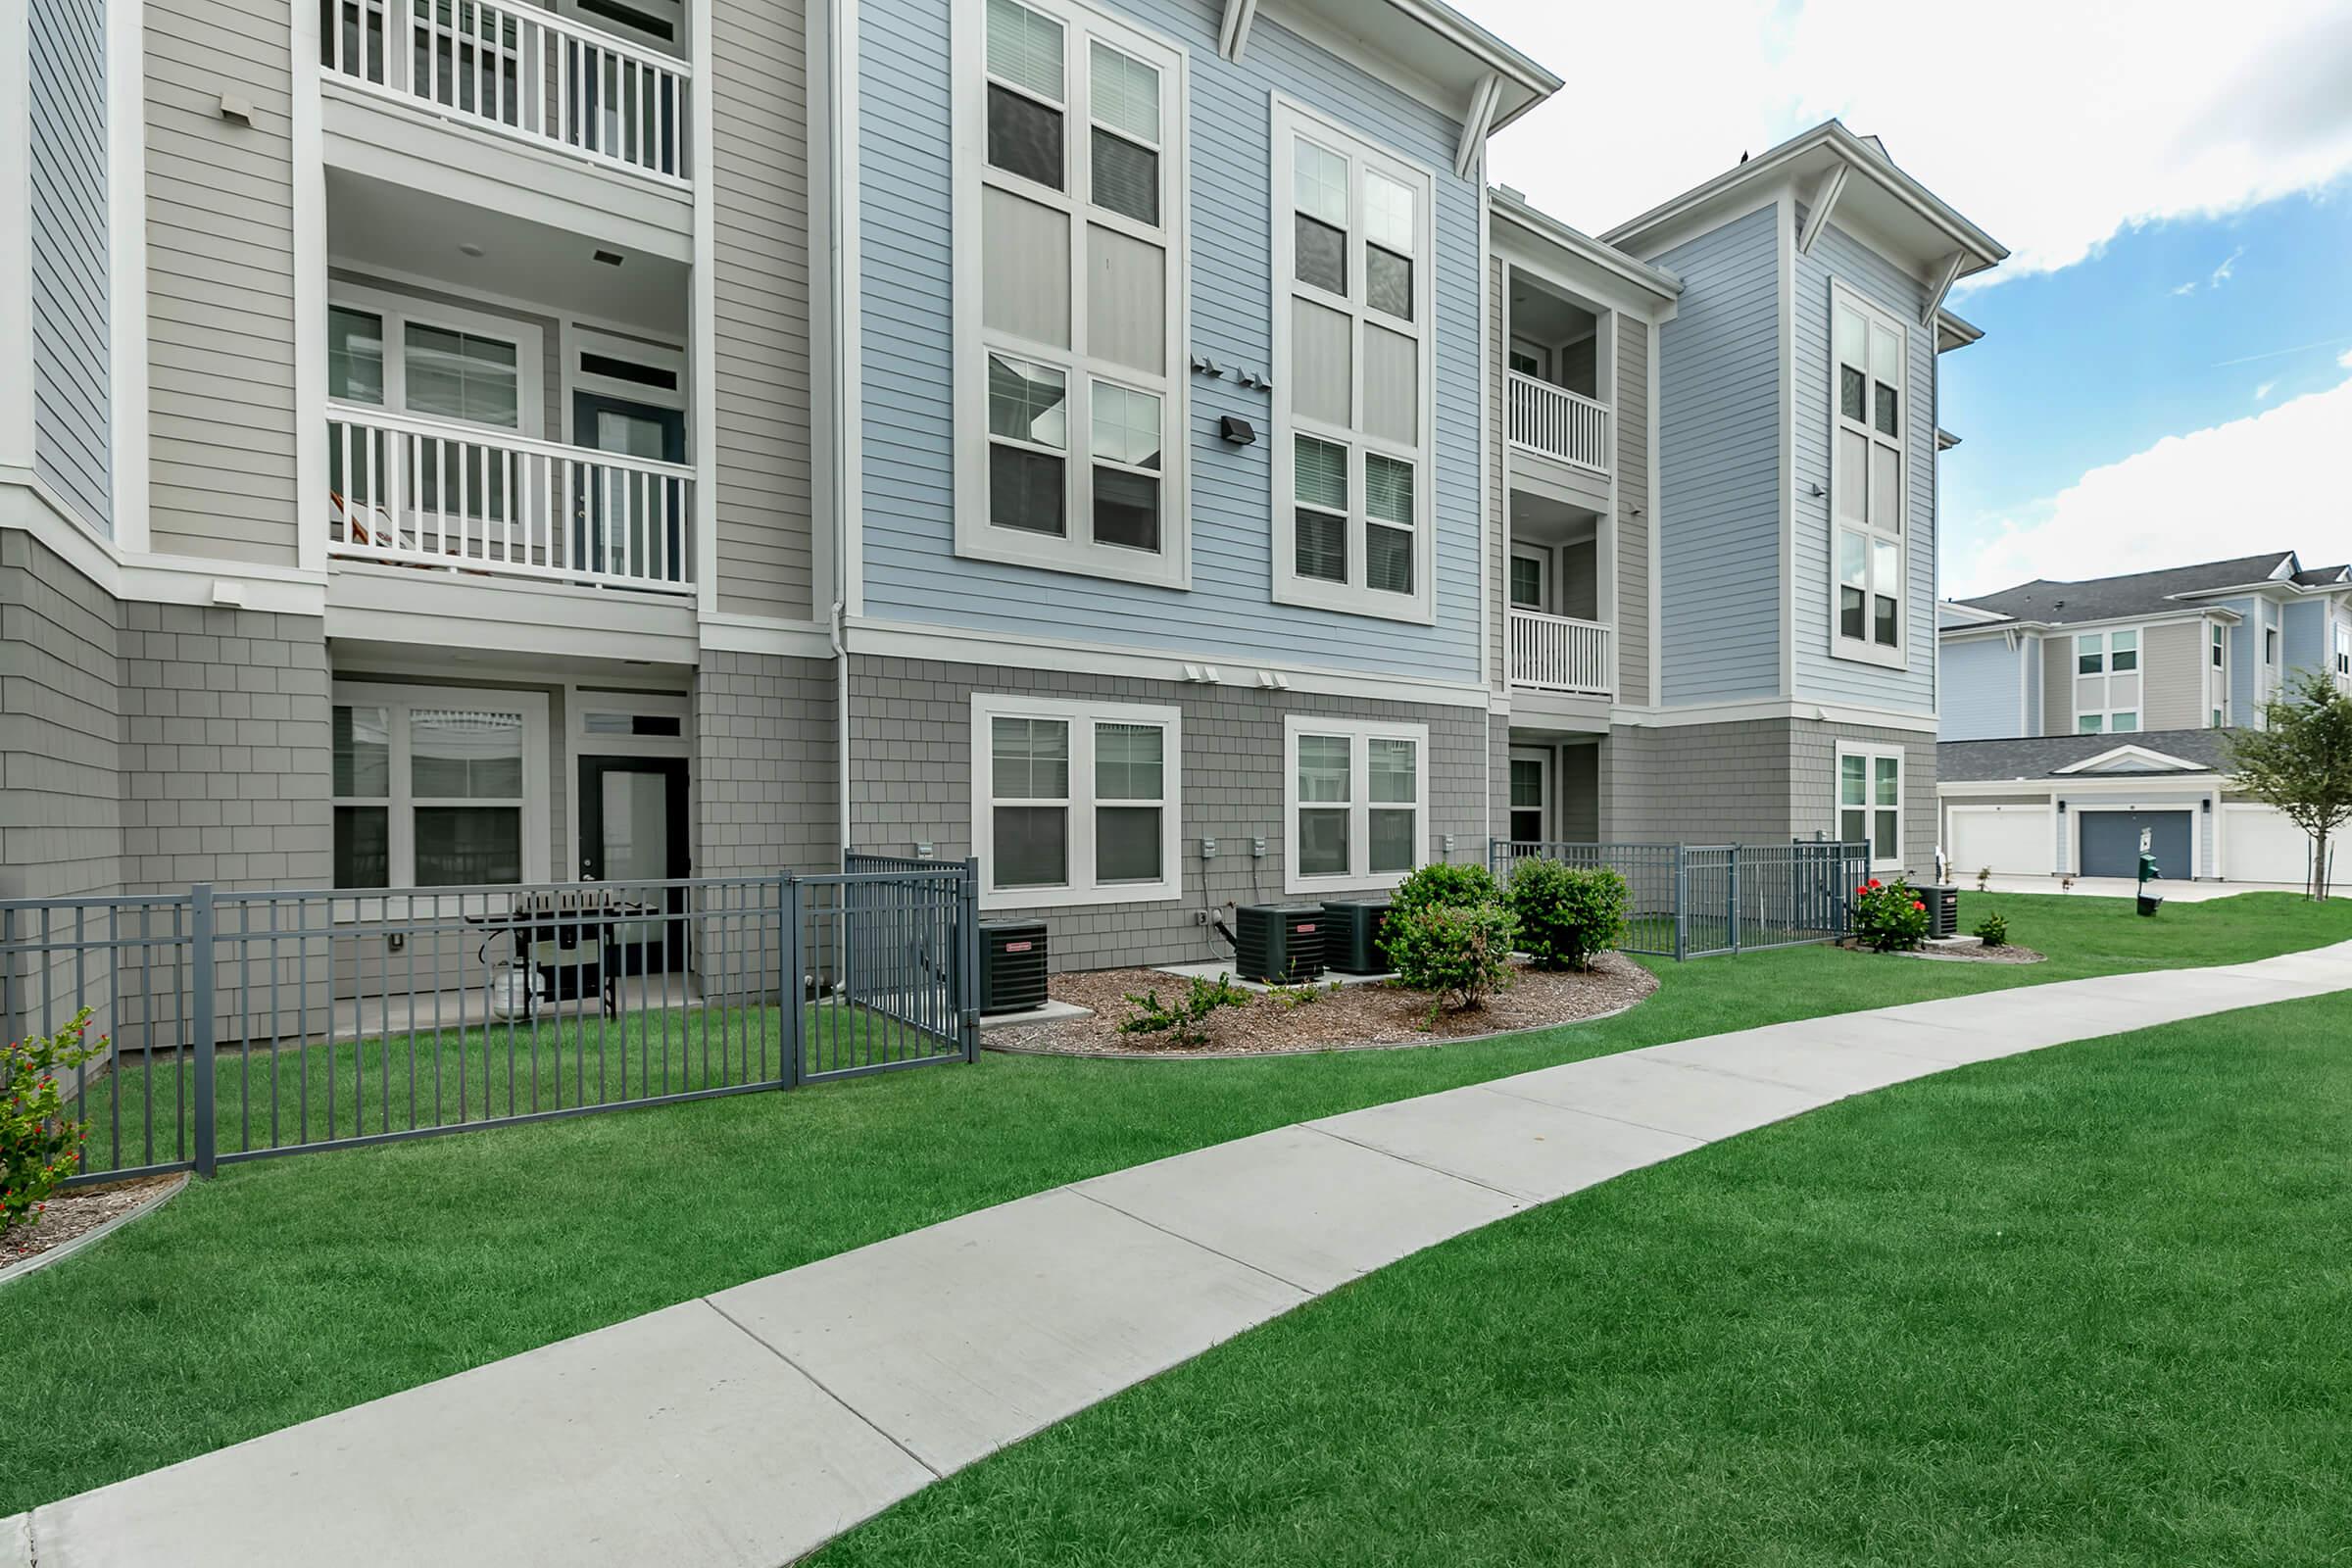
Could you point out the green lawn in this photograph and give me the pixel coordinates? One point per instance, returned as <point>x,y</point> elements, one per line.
<point>2084,1306</point>
<point>289,1287</point>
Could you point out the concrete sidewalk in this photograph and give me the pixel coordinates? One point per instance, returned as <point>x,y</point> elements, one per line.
<point>748,1427</point>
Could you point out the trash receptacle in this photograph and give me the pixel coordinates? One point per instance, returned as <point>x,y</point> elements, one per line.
<point>2150,903</point>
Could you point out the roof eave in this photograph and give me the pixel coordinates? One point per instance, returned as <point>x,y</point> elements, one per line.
<point>1656,281</point>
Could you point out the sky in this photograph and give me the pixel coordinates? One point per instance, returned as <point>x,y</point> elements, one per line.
<point>2166,376</point>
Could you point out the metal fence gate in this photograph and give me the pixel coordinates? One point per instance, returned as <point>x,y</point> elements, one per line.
<point>242,1025</point>
<point>1694,900</point>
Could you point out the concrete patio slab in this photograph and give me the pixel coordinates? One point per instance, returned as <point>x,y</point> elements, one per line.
<point>1666,1095</point>
<point>1522,1147</point>
<point>960,1339</point>
<point>671,1438</point>
<point>1339,1210</point>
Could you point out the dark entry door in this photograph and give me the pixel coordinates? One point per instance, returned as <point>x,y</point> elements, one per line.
<point>624,515</point>
<point>633,829</point>
<point>2111,841</point>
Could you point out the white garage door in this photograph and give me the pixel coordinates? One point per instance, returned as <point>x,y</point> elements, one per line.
<point>2014,840</point>
<point>2263,847</point>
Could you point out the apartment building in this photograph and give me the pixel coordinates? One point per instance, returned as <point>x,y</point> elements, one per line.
<point>1123,443</point>
<point>2039,679</point>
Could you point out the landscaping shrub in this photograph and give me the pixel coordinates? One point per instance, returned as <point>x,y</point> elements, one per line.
<point>1889,918</point>
<point>1993,931</point>
<point>1566,916</point>
<point>1201,999</point>
<point>39,1146</point>
<point>1442,882</point>
<point>1460,951</point>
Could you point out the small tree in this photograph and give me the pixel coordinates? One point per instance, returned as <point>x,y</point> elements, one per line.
<point>2300,762</point>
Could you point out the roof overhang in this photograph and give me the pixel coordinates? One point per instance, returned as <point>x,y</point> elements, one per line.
<point>1968,614</point>
<point>1569,248</point>
<point>2146,761</point>
<point>1951,332</point>
<point>1914,224</point>
<point>1945,439</point>
<point>1449,61</point>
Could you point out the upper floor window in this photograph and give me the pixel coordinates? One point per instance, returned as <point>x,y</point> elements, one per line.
<point>2219,677</point>
<point>2343,648</point>
<point>2106,682</point>
<point>1868,498</point>
<point>1353,475</point>
<point>1069,292</point>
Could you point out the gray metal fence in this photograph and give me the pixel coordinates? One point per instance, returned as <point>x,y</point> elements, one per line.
<point>1692,900</point>
<point>242,1025</point>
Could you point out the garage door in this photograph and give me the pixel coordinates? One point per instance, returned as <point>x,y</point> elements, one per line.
<point>2013,839</point>
<point>2111,841</point>
<point>2265,847</point>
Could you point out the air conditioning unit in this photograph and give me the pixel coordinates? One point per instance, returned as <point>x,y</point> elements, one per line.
<point>1351,942</point>
<point>1012,965</point>
<point>1281,943</point>
<point>1944,911</point>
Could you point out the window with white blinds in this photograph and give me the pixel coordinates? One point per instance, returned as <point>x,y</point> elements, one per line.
<point>1069,292</point>
<point>1354,256</point>
<point>1075,801</point>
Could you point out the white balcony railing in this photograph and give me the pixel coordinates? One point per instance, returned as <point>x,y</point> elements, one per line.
<point>451,497</point>
<point>1554,653</point>
<point>1557,424</point>
<point>518,69</point>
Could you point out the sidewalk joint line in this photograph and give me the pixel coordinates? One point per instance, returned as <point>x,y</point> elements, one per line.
<point>930,1469</point>
<point>1520,1199</point>
<point>1694,1140</point>
<point>1309,1291</point>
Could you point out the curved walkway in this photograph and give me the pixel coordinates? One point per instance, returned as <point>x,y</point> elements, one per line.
<point>748,1427</point>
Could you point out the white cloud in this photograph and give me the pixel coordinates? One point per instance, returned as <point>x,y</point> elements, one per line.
<point>2345,359</point>
<point>2093,117</point>
<point>2189,287</point>
<point>2229,267</point>
<point>2270,481</point>
<point>2262,393</point>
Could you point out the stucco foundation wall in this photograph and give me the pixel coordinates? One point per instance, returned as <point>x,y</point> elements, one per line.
<point>911,783</point>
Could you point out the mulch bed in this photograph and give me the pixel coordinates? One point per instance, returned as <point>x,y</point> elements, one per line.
<point>76,1212</point>
<point>2008,953</point>
<point>1352,1017</point>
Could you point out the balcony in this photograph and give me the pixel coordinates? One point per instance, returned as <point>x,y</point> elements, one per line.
<point>520,72</point>
<point>1558,654</point>
<point>1554,422</point>
<point>442,496</point>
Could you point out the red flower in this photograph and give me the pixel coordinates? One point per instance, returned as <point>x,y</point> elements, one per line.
<point>1862,893</point>
<point>1921,907</point>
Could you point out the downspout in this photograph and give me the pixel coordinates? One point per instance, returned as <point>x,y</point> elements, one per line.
<point>838,629</point>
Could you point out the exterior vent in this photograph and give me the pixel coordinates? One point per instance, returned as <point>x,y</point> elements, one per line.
<point>1012,965</point>
<point>1281,943</point>
<point>1351,942</point>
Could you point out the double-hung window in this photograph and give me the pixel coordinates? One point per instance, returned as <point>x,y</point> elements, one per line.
<point>2343,650</point>
<point>1069,217</point>
<point>2107,682</point>
<point>1868,495</point>
<point>438,786</point>
<point>1870,804</point>
<point>2218,675</point>
<point>1355,796</point>
<point>1074,802</point>
<point>1354,260</point>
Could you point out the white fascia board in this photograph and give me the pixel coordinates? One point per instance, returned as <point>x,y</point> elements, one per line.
<point>1651,285</point>
<point>1772,708</point>
<point>2139,753</point>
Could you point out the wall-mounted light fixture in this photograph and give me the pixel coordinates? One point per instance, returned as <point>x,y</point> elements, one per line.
<point>2061,808</point>
<point>1236,429</point>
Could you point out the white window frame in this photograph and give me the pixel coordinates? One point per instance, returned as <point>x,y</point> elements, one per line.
<point>402,802</point>
<point>1872,756</point>
<point>1543,757</point>
<point>1082,717</point>
<point>580,340</point>
<point>2343,648</point>
<point>1170,567</point>
<point>2216,672</point>
<point>1359,732</point>
<point>1291,120</point>
<point>2105,713</point>
<point>397,311</point>
<point>1544,557</point>
<point>1866,649</point>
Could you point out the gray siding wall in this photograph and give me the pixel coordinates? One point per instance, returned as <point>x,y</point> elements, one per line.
<point>756,99</point>
<point>1580,365</point>
<point>1579,791</point>
<point>1839,256</point>
<point>910,737</point>
<point>2035,651</point>
<point>1498,497</point>
<point>1719,467</point>
<point>1980,691</point>
<point>2171,661</point>
<point>765,790</point>
<point>2303,637</point>
<point>2058,684</point>
<point>221,282</point>
<point>2245,660</point>
<point>550,330</point>
<point>1580,580</point>
<point>1634,511</point>
<point>61,704</point>
<point>68,156</point>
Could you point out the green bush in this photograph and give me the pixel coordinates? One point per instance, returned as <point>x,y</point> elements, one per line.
<point>40,1146</point>
<point>1889,918</point>
<point>1993,931</point>
<point>1459,951</point>
<point>1566,916</point>
<point>1442,882</point>
<point>1192,1009</point>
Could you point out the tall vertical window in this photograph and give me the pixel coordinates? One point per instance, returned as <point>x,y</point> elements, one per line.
<point>1868,497</point>
<point>1074,802</point>
<point>1069,292</point>
<point>1355,797</point>
<point>438,786</point>
<point>2218,673</point>
<point>2107,682</point>
<point>1870,804</point>
<point>1354,246</point>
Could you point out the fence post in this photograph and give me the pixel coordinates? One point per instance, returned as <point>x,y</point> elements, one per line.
<point>200,1004</point>
<point>1731,901</point>
<point>791,996</point>
<point>967,983</point>
<point>1682,902</point>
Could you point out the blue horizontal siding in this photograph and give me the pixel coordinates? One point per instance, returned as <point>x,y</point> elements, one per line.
<point>912,571</point>
<point>1981,692</point>
<point>1718,468</point>
<point>68,216</point>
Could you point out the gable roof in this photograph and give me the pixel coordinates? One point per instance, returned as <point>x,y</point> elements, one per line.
<point>2138,593</point>
<point>2048,756</point>
<point>2323,578</point>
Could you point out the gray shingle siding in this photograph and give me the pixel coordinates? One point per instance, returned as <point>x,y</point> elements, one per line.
<point>67,158</point>
<point>765,790</point>
<point>61,728</point>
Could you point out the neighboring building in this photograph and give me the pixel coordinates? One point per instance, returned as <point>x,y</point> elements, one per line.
<point>1123,442</point>
<point>2040,679</point>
